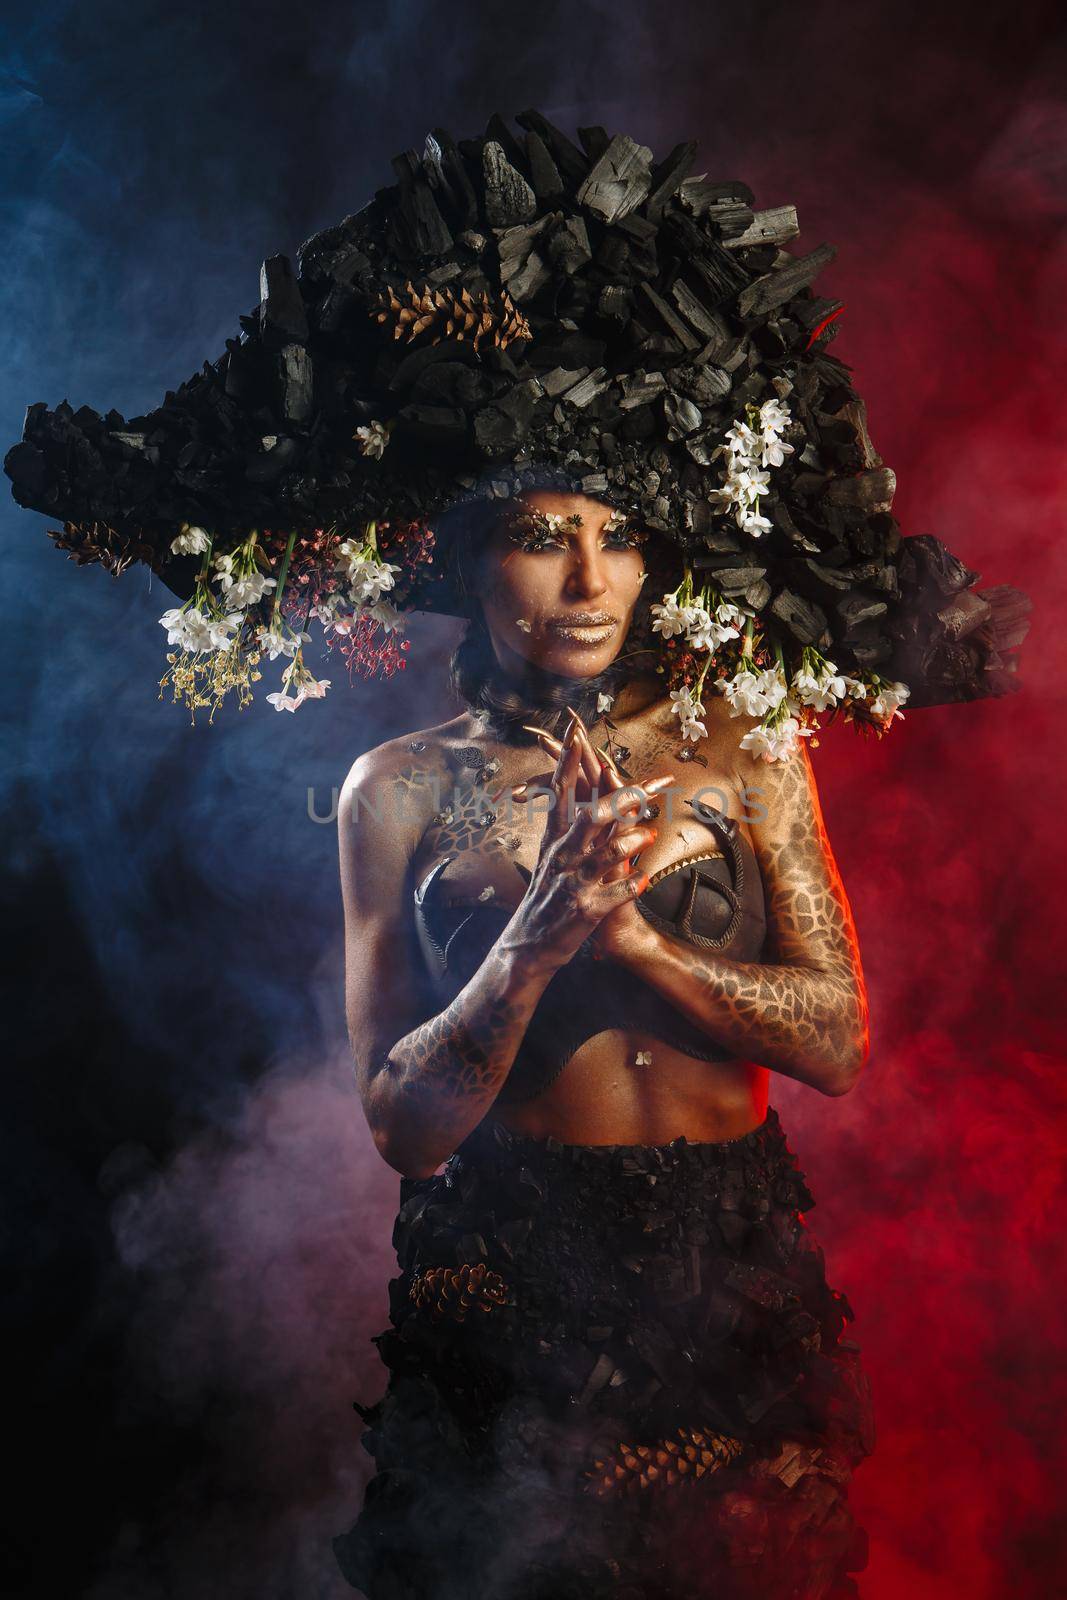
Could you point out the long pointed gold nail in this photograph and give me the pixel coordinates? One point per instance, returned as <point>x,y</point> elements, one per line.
<point>551,746</point>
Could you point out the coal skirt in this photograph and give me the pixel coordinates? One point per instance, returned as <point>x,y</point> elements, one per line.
<point>613,1370</point>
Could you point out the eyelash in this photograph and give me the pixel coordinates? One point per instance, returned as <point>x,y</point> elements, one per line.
<point>626,541</point>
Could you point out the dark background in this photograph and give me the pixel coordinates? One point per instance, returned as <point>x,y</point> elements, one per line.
<point>198,1225</point>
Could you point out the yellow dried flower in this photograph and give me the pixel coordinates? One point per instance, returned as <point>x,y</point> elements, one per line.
<point>204,679</point>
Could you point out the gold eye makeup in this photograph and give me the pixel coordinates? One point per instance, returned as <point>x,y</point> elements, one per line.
<point>540,530</point>
<point>531,531</point>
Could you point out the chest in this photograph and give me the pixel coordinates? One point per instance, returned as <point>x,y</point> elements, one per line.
<point>492,841</point>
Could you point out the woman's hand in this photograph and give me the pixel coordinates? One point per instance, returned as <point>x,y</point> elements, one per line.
<point>584,871</point>
<point>622,932</point>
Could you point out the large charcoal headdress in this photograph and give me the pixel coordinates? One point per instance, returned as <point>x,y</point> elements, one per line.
<point>514,306</point>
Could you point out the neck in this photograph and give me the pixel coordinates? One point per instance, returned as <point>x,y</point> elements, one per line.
<point>525,693</point>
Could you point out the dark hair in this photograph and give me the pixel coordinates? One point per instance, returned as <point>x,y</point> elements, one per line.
<point>539,698</point>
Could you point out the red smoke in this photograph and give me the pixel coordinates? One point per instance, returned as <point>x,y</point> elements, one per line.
<point>940,1178</point>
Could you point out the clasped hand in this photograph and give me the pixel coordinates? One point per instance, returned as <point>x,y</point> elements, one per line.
<point>585,883</point>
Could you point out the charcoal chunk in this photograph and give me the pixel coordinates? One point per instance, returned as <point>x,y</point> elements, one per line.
<point>282,318</point>
<point>572,164</point>
<point>508,197</point>
<point>856,610</point>
<point>871,491</point>
<point>777,287</point>
<point>544,174</point>
<point>619,181</point>
<point>805,620</point>
<point>296,383</point>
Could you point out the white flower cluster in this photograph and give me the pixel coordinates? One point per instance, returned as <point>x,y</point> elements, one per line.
<point>702,627</point>
<point>190,541</point>
<point>816,684</point>
<point>888,700</point>
<point>703,621</point>
<point>776,741</point>
<point>212,623</point>
<point>213,620</point>
<point>765,694</point>
<point>298,685</point>
<point>750,448</point>
<point>689,708</point>
<point>279,639</point>
<point>239,581</point>
<point>200,631</point>
<point>373,438</point>
<point>366,578</point>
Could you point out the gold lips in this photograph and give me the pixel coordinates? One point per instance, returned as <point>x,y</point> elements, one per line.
<point>583,621</point>
<point>586,631</point>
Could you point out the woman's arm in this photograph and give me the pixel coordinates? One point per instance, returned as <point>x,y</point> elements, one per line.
<point>425,1078</point>
<point>805,1013</point>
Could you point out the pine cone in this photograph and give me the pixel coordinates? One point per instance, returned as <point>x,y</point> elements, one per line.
<point>694,1454</point>
<point>96,541</point>
<point>420,310</point>
<point>445,1291</point>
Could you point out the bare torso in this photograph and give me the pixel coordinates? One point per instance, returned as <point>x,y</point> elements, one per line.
<point>603,1096</point>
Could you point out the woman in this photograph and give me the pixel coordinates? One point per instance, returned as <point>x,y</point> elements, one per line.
<point>615,1365</point>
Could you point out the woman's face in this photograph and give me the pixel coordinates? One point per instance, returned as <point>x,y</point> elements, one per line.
<point>563,574</point>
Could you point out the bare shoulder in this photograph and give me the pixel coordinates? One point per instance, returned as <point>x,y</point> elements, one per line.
<point>785,797</point>
<point>426,750</point>
<point>393,793</point>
